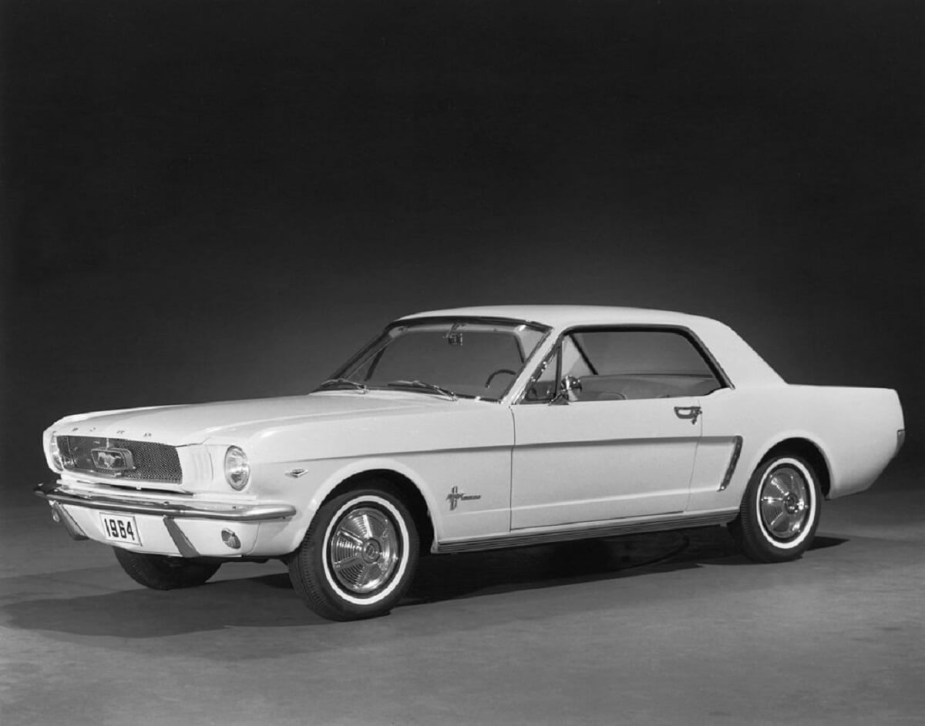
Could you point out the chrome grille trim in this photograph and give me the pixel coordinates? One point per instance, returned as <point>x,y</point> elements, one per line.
<point>153,462</point>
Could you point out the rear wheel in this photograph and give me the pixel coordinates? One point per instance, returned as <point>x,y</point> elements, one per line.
<point>780,511</point>
<point>160,572</point>
<point>358,556</point>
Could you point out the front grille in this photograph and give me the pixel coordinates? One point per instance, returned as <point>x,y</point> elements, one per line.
<point>152,462</point>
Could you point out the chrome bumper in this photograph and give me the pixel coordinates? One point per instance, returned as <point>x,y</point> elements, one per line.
<point>168,508</point>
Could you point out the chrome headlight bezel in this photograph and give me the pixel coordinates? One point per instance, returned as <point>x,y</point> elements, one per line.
<point>237,468</point>
<point>54,453</point>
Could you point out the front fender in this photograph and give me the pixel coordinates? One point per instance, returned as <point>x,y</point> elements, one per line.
<point>309,490</point>
<point>371,466</point>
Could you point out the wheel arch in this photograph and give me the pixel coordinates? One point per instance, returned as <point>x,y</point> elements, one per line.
<point>403,487</point>
<point>808,450</point>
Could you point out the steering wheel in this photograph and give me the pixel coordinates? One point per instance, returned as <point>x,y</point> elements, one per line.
<point>498,372</point>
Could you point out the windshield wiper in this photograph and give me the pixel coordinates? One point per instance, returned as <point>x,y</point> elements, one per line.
<point>342,383</point>
<point>424,386</point>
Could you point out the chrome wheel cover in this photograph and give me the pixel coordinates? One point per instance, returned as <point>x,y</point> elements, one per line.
<point>364,550</point>
<point>784,503</point>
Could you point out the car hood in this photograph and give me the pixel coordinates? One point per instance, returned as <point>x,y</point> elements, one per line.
<point>197,423</point>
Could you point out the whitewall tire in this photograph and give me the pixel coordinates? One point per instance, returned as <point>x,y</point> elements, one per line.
<point>358,556</point>
<point>780,511</point>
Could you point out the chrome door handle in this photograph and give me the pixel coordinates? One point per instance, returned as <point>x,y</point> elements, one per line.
<point>688,412</point>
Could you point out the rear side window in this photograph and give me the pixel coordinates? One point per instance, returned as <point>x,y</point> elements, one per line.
<point>627,364</point>
<point>642,352</point>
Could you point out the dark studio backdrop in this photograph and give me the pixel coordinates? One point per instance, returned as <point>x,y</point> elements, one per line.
<point>223,199</point>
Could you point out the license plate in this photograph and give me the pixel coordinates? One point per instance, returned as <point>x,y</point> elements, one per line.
<point>120,528</point>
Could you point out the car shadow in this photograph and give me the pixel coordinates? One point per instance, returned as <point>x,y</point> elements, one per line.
<point>480,573</point>
<point>267,601</point>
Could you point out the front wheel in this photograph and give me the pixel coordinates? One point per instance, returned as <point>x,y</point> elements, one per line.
<point>358,556</point>
<point>160,572</point>
<point>780,510</point>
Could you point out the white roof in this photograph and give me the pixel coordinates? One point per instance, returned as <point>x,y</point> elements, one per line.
<point>560,316</point>
<point>741,364</point>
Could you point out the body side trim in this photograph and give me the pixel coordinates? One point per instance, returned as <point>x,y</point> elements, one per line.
<point>609,442</point>
<point>613,529</point>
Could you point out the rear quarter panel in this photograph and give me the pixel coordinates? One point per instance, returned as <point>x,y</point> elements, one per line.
<point>854,428</point>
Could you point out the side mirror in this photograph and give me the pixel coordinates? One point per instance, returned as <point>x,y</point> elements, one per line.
<point>569,389</point>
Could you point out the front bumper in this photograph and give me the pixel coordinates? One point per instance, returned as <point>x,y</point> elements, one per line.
<point>171,524</point>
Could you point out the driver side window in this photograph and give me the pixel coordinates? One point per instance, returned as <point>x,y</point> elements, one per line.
<point>624,364</point>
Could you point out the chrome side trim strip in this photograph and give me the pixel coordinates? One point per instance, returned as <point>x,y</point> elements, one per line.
<point>613,529</point>
<point>733,461</point>
<point>180,539</point>
<point>200,510</point>
<point>609,443</point>
<point>59,514</point>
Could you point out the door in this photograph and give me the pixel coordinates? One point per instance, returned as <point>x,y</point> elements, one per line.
<point>609,427</point>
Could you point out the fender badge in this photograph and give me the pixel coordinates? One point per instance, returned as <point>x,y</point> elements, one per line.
<point>296,473</point>
<point>455,497</point>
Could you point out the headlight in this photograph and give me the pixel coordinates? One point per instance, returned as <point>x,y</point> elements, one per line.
<point>55,453</point>
<point>237,470</point>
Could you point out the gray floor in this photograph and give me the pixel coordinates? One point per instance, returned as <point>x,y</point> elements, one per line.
<point>660,629</point>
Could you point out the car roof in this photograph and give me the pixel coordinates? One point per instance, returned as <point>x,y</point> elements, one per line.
<point>560,316</point>
<point>739,361</point>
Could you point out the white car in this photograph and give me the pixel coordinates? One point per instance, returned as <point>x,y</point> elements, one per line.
<point>473,429</point>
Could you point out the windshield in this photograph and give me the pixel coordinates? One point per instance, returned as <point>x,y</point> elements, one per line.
<point>468,358</point>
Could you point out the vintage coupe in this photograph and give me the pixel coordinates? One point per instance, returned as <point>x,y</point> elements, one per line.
<point>473,429</point>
